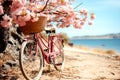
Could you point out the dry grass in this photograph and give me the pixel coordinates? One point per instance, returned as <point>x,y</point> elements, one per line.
<point>110,52</point>
<point>101,51</point>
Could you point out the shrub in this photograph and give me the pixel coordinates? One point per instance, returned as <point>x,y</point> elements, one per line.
<point>110,52</point>
<point>65,37</point>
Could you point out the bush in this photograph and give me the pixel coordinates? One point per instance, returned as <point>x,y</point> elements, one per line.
<point>65,37</point>
<point>110,52</point>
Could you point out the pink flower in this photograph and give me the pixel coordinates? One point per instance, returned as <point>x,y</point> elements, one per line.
<point>16,4</point>
<point>61,26</point>
<point>7,21</point>
<point>59,12</point>
<point>21,23</point>
<point>77,24</point>
<point>34,19</point>
<point>1,10</point>
<point>83,12</point>
<point>6,24</point>
<point>92,17</point>
<point>90,23</point>
<point>82,23</point>
<point>35,7</point>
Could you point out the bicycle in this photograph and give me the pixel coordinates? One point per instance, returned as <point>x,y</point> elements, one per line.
<point>37,49</point>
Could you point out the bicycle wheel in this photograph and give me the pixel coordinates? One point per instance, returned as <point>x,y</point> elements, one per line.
<point>31,60</point>
<point>58,59</point>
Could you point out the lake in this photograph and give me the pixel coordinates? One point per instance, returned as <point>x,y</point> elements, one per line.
<point>109,44</point>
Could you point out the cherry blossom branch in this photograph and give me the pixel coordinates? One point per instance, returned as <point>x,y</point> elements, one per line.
<point>78,5</point>
<point>44,6</point>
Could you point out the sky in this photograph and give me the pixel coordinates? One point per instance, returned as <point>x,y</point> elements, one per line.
<point>107,18</point>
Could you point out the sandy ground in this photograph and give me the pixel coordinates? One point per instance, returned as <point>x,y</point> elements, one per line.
<point>87,65</point>
<point>84,65</point>
<point>91,66</point>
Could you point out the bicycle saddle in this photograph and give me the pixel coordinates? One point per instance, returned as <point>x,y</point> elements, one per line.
<point>50,30</point>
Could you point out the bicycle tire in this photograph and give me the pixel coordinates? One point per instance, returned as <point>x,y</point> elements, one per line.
<point>27,62</point>
<point>58,60</point>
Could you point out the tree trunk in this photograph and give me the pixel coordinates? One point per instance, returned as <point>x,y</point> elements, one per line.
<point>4,36</point>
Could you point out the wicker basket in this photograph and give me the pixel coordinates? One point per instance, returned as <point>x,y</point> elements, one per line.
<point>34,27</point>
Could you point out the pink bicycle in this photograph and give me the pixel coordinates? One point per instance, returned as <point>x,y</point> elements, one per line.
<point>36,49</point>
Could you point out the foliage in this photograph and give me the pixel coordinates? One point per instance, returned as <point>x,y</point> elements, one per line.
<point>65,37</point>
<point>110,52</point>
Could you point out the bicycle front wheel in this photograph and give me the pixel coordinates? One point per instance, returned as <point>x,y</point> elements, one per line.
<point>31,60</point>
<point>58,59</point>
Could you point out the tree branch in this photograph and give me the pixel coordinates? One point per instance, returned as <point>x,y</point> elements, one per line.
<point>44,6</point>
<point>78,5</point>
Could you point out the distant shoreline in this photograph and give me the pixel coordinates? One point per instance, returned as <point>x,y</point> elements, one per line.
<point>105,36</point>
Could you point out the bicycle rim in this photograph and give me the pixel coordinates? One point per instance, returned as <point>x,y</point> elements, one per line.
<point>31,60</point>
<point>58,60</point>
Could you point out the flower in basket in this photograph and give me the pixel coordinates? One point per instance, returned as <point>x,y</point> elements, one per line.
<point>25,13</point>
<point>21,11</point>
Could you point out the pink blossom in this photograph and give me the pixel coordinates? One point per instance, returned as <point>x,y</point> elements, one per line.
<point>16,4</point>
<point>78,26</point>
<point>54,1</point>
<point>21,23</point>
<point>6,17</point>
<point>1,10</point>
<point>36,7</point>
<point>21,20</point>
<point>60,25</point>
<point>90,23</point>
<point>83,12</point>
<point>59,12</point>
<point>82,23</point>
<point>6,24</point>
<point>6,21</point>
<point>92,16</point>
<point>34,19</point>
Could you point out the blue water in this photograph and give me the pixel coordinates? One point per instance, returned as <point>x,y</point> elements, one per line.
<point>107,44</point>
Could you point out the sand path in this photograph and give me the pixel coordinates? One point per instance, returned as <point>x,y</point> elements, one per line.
<point>86,65</point>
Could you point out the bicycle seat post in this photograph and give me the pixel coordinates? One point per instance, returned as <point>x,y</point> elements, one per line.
<point>34,36</point>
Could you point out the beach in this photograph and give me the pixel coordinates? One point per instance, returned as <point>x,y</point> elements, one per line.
<point>80,64</point>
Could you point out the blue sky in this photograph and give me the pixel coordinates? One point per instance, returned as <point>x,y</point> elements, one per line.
<point>107,18</point>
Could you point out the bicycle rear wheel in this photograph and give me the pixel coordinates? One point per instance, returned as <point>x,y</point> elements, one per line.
<point>31,60</point>
<point>58,59</point>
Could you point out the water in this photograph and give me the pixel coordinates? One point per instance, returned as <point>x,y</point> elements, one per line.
<point>108,44</point>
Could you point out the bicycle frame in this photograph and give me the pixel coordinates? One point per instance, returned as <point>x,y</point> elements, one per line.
<point>47,45</point>
<point>50,44</point>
